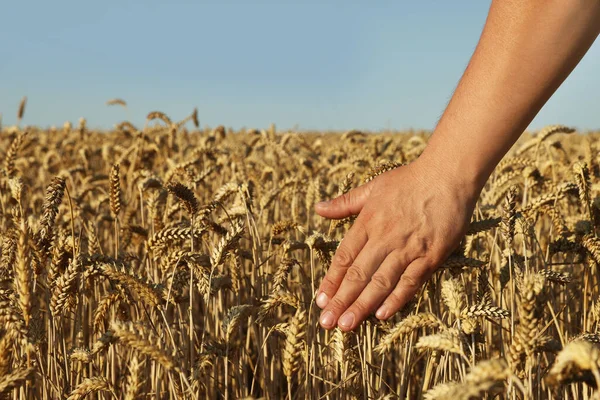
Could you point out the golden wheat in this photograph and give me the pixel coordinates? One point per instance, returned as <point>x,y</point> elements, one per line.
<point>176,262</point>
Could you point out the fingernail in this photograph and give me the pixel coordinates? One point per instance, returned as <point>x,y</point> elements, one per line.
<point>327,319</point>
<point>322,204</point>
<point>382,312</point>
<point>347,320</point>
<point>322,300</point>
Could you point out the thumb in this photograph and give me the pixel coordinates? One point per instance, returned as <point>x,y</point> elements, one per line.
<point>348,204</point>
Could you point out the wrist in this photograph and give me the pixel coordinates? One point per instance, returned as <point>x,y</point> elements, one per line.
<point>455,170</point>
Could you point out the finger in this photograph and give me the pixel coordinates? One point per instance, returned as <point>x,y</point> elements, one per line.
<point>345,205</point>
<point>411,280</point>
<point>348,250</point>
<point>382,283</point>
<point>356,279</point>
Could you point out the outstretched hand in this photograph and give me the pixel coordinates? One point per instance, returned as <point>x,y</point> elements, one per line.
<point>409,221</point>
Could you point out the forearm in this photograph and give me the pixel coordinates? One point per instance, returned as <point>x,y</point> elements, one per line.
<point>525,52</point>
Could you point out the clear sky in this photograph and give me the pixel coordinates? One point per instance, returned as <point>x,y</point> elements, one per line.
<point>308,64</point>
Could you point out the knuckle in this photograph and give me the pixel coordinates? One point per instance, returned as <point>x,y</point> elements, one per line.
<point>381,282</point>
<point>399,257</point>
<point>338,305</point>
<point>409,281</point>
<point>329,283</point>
<point>337,201</point>
<point>348,197</point>
<point>394,302</point>
<point>343,257</point>
<point>356,274</point>
<point>360,308</point>
<point>343,200</point>
<point>422,246</point>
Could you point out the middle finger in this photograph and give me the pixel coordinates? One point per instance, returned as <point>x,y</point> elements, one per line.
<point>382,283</point>
<point>356,279</point>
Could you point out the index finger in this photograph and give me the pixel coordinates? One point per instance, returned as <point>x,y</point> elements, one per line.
<point>348,250</point>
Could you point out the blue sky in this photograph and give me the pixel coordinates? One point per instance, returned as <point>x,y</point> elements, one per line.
<point>307,64</point>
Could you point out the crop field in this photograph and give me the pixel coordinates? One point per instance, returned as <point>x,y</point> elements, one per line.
<point>166,261</point>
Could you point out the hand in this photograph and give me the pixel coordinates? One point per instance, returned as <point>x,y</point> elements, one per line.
<point>409,221</point>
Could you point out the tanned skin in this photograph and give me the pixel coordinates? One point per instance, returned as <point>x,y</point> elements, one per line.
<point>410,219</point>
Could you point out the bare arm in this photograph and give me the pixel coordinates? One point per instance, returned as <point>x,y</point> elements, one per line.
<point>527,49</point>
<point>410,219</point>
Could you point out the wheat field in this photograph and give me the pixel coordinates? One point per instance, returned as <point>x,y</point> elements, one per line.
<point>171,262</point>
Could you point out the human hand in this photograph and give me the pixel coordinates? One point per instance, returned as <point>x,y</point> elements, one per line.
<point>409,221</point>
